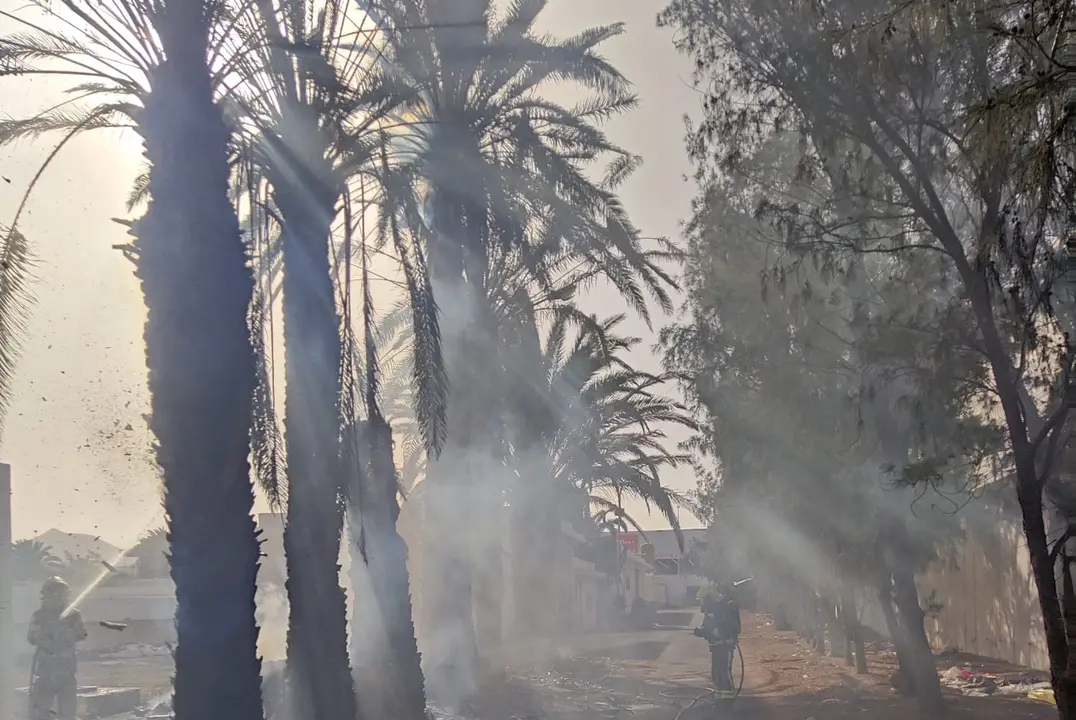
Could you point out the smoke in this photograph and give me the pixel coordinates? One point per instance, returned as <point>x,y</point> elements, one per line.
<point>271,614</point>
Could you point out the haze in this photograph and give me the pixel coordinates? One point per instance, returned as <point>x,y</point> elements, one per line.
<point>81,380</point>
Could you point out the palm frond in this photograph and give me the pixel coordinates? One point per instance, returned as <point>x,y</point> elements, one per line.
<point>16,265</point>
<point>268,458</point>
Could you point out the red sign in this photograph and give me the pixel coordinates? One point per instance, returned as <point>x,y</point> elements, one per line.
<point>630,543</point>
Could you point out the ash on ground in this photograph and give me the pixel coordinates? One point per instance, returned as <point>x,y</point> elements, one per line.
<point>573,689</point>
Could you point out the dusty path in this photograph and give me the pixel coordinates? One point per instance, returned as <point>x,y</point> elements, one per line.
<point>657,674</point>
<point>663,674</point>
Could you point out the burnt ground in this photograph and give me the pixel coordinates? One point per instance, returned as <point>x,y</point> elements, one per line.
<point>663,674</point>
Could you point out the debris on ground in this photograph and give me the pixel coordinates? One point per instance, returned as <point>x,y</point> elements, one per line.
<point>1023,689</point>
<point>1045,695</point>
<point>136,650</point>
<point>980,684</point>
<point>970,683</point>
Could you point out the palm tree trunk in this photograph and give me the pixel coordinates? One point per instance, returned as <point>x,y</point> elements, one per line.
<point>197,285</point>
<point>318,669</point>
<point>450,647</point>
<point>395,687</point>
<point>535,530</point>
<point>451,652</point>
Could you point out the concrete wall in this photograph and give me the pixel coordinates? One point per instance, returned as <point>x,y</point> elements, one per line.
<point>989,605</point>
<point>984,597</point>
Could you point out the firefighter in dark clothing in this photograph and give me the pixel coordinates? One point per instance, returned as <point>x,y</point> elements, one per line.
<point>721,628</point>
<point>54,634</point>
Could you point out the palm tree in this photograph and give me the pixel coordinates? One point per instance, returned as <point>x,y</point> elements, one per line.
<point>385,658</point>
<point>192,265</point>
<point>601,422</point>
<point>594,426</point>
<point>486,164</point>
<point>151,553</point>
<point>33,560</point>
<point>292,150</point>
<point>312,117</point>
<point>198,285</point>
<point>586,428</point>
<point>298,146</point>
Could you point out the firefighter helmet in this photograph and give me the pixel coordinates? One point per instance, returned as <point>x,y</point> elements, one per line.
<point>54,586</point>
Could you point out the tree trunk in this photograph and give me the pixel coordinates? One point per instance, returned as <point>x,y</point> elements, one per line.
<point>780,618</point>
<point>536,531</point>
<point>1042,568</point>
<point>855,652</point>
<point>835,637</point>
<point>848,625</point>
<point>818,624</point>
<point>449,647</point>
<point>1029,491</point>
<point>861,651</point>
<point>904,681</point>
<point>197,285</point>
<point>392,686</point>
<point>927,684</point>
<point>318,665</point>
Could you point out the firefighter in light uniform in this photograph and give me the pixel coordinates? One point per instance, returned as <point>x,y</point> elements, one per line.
<point>54,634</point>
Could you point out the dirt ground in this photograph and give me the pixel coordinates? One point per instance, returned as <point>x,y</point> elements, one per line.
<point>663,674</point>
<point>788,680</point>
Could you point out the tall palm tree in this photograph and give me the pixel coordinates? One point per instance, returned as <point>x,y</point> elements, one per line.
<point>292,99</point>
<point>485,163</point>
<point>313,118</point>
<point>197,284</point>
<point>389,675</point>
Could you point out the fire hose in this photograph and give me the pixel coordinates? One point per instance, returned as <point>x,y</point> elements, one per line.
<point>713,693</point>
<point>738,653</point>
<point>739,687</point>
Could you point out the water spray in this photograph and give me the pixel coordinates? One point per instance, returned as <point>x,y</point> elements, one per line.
<point>109,569</point>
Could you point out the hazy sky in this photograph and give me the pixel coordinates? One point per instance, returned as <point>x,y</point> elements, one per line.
<point>75,435</point>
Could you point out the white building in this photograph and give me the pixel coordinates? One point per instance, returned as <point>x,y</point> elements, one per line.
<point>673,580</point>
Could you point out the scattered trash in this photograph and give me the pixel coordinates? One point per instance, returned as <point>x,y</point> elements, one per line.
<point>969,683</point>
<point>1045,695</point>
<point>1022,688</point>
<point>980,684</point>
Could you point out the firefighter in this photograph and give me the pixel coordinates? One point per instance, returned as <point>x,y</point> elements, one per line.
<point>721,628</point>
<point>55,629</point>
